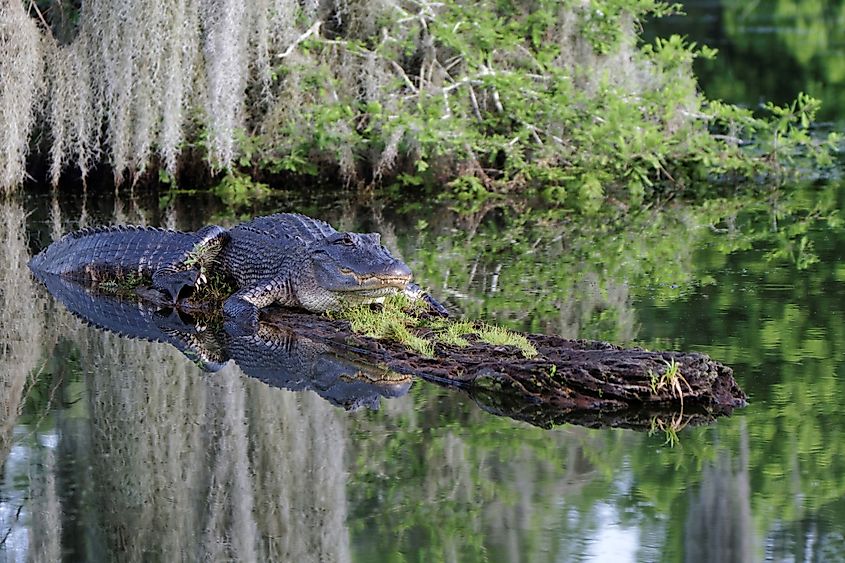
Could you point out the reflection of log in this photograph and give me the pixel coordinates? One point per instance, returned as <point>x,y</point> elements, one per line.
<point>568,377</point>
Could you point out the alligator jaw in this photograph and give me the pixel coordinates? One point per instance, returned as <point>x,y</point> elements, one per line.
<point>375,281</point>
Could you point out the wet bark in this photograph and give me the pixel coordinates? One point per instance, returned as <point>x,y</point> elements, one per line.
<point>591,383</point>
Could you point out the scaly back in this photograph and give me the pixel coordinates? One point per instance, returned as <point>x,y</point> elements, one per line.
<point>285,226</point>
<point>271,246</point>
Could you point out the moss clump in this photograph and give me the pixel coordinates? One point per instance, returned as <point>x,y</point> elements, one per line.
<point>405,321</point>
<point>498,336</point>
<point>452,332</point>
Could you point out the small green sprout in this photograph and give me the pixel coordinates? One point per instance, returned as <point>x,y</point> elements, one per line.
<point>670,429</point>
<point>671,378</point>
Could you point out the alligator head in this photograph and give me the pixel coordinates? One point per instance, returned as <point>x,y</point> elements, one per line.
<point>356,268</point>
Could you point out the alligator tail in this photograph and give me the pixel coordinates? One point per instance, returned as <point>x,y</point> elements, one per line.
<point>98,253</point>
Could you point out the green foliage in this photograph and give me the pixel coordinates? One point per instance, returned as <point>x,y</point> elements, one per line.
<point>486,99</point>
<point>236,189</point>
<point>603,22</point>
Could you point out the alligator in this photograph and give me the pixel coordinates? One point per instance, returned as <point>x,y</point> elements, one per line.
<point>287,259</point>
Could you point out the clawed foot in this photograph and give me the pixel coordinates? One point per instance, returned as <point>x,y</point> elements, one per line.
<point>174,283</point>
<point>434,306</point>
<point>415,293</point>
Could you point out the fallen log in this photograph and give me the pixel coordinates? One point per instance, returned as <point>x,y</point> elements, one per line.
<point>586,382</point>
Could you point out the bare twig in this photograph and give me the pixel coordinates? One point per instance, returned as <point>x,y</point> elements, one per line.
<point>34,6</point>
<point>313,30</point>
<point>534,134</point>
<point>398,68</point>
<point>474,101</point>
<point>496,100</point>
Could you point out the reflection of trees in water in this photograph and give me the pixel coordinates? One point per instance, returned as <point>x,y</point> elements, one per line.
<point>218,466</point>
<point>446,482</point>
<point>548,276</point>
<point>229,528</point>
<point>146,422</point>
<point>719,526</point>
<point>222,467</point>
<point>21,321</point>
<point>769,49</point>
<point>45,507</point>
<point>297,449</point>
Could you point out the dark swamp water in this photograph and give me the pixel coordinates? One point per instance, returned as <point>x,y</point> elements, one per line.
<point>125,450</point>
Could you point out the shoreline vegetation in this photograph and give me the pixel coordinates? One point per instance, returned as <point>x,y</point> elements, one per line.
<point>481,105</point>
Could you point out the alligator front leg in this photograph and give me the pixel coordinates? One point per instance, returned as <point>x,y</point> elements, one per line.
<point>241,308</point>
<point>415,293</point>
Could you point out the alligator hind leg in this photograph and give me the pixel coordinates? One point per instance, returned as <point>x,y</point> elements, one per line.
<point>189,272</point>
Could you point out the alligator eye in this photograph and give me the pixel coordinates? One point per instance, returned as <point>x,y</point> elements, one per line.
<point>345,241</point>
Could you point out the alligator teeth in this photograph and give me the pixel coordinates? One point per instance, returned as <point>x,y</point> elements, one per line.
<point>202,278</point>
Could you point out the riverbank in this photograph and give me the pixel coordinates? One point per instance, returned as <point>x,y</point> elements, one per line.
<point>479,104</point>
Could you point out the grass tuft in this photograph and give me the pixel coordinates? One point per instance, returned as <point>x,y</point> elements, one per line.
<point>390,322</point>
<point>498,336</point>
<point>671,378</point>
<point>401,319</point>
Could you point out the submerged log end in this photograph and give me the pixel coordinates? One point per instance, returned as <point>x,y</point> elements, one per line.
<point>583,372</point>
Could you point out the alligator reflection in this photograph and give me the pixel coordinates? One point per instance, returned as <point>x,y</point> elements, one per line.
<point>273,355</point>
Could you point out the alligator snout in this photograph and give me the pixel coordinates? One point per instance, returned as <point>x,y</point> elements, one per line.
<point>399,270</point>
